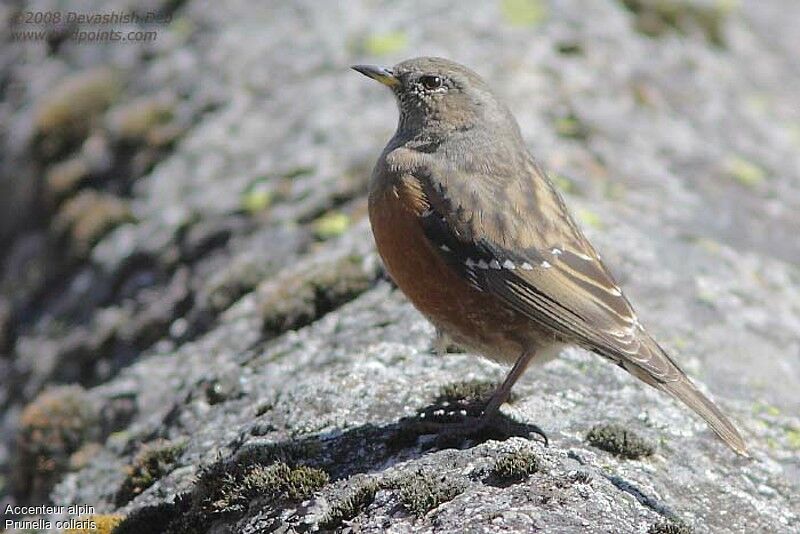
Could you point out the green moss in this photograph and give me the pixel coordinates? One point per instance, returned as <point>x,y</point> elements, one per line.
<point>793,437</point>
<point>55,425</point>
<point>564,184</point>
<point>100,524</point>
<point>524,12</point>
<point>66,113</point>
<point>765,408</point>
<point>283,482</point>
<point>330,225</point>
<point>135,121</point>
<point>277,481</point>
<point>350,505</point>
<point>293,452</point>
<point>571,127</point>
<point>227,487</point>
<point>570,48</point>
<point>384,44</point>
<point>87,217</point>
<point>619,441</point>
<point>745,172</point>
<point>64,177</point>
<point>423,491</point>
<point>657,17</point>
<point>297,172</point>
<point>670,527</point>
<point>257,198</point>
<point>515,466</point>
<point>590,218</point>
<point>294,299</point>
<point>150,464</point>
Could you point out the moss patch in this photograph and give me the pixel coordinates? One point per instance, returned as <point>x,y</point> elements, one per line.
<point>257,198</point>
<point>793,437</point>
<point>564,183</point>
<point>152,463</point>
<point>226,488</point>
<point>571,127</point>
<point>98,524</point>
<point>515,466</point>
<point>423,491</point>
<point>64,177</point>
<point>657,17</point>
<point>138,121</point>
<point>745,172</point>
<point>619,441</point>
<point>294,299</point>
<point>570,48</point>
<point>383,44</point>
<point>590,218</point>
<point>350,505</point>
<point>52,427</point>
<point>232,492</point>
<point>65,114</point>
<point>279,481</point>
<point>87,217</point>
<point>330,225</point>
<point>524,12</point>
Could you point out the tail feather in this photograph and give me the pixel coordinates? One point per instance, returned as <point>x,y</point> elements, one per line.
<point>683,390</point>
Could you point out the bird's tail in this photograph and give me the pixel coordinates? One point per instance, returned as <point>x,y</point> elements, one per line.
<point>683,390</point>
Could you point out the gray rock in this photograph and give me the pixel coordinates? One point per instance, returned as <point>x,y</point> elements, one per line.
<point>675,138</point>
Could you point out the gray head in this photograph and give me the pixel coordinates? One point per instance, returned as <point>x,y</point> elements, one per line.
<point>438,96</point>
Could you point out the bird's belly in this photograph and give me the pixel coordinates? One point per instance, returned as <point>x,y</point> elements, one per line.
<point>476,320</point>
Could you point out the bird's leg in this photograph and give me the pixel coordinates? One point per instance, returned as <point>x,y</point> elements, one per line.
<point>489,423</point>
<point>501,393</point>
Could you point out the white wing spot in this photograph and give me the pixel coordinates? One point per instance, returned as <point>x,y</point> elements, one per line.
<point>546,264</point>
<point>494,264</point>
<point>470,263</point>
<point>508,264</point>
<point>527,266</point>
<point>556,251</point>
<point>482,264</point>
<point>445,248</point>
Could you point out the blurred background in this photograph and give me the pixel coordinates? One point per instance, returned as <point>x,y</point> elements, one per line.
<point>185,263</point>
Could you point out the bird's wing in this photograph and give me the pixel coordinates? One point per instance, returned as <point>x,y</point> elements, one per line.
<point>512,236</point>
<point>520,244</point>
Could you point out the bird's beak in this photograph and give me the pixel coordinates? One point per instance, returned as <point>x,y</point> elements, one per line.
<point>381,74</point>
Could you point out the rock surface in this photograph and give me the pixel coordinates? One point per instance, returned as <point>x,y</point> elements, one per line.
<point>190,252</point>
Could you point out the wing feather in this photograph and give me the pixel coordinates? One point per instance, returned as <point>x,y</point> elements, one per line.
<point>555,278</point>
<point>514,238</point>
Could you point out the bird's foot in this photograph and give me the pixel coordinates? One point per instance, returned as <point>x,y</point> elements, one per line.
<point>455,428</point>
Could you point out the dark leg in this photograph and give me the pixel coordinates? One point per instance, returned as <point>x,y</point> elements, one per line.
<point>490,422</point>
<point>501,394</point>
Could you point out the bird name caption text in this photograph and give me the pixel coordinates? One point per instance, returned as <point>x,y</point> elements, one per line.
<point>76,516</point>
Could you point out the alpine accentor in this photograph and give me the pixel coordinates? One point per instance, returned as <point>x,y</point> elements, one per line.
<point>474,233</point>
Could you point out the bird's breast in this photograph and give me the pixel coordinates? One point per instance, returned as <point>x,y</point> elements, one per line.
<point>475,319</point>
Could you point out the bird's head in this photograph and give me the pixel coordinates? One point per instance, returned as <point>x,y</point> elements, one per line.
<point>439,96</point>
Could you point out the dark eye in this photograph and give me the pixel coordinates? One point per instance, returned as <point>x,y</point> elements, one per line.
<point>431,82</point>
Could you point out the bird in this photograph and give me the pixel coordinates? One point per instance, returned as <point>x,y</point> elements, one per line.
<point>472,230</point>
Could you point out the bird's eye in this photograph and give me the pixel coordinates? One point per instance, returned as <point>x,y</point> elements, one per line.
<point>431,83</point>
